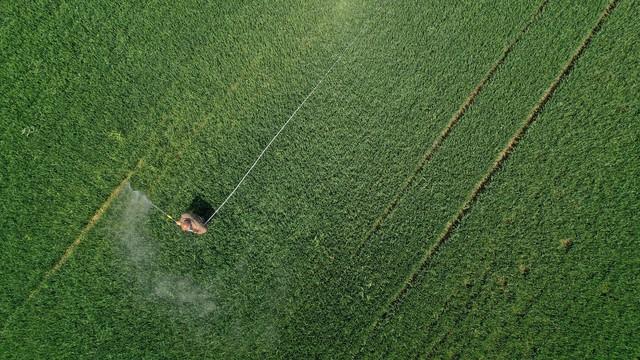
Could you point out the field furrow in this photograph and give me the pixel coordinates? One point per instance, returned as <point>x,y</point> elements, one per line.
<point>468,102</point>
<point>503,156</point>
<point>308,201</point>
<point>89,91</point>
<point>400,179</point>
<point>538,226</point>
<point>391,256</point>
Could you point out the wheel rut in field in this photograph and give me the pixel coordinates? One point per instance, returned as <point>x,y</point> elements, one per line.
<point>78,240</point>
<point>446,131</point>
<point>481,186</point>
<point>198,127</point>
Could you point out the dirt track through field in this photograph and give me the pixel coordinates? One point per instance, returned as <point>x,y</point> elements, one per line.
<point>480,187</point>
<point>446,131</point>
<point>78,240</point>
<point>87,228</point>
<point>118,189</point>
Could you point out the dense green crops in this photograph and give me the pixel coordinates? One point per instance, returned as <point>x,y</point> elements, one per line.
<point>543,263</point>
<point>101,86</point>
<point>508,283</point>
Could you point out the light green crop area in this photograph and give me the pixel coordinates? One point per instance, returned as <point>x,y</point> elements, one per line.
<point>333,245</point>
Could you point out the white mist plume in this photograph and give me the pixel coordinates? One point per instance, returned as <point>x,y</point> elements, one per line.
<point>140,251</point>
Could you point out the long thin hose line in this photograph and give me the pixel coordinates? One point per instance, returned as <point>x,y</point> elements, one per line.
<point>163,212</point>
<point>285,125</point>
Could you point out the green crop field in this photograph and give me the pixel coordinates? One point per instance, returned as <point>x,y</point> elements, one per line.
<point>455,179</point>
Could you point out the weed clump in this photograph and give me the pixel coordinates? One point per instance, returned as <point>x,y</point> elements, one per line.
<point>523,269</point>
<point>502,282</point>
<point>605,289</point>
<point>566,244</point>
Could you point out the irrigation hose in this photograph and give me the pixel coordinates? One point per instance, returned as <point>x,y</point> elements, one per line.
<point>324,76</point>
<point>163,212</point>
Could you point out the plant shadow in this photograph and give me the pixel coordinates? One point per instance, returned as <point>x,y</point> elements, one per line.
<point>199,206</point>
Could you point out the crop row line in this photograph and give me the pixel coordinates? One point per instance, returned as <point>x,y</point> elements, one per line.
<point>74,245</point>
<point>446,131</point>
<point>481,186</point>
<point>520,315</point>
<point>100,212</point>
<point>90,225</point>
<point>474,291</point>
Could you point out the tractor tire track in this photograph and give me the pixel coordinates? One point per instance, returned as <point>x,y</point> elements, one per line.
<point>481,186</point>
<point>77,241</point>
<point>444,134</point>
<point>197,128</point>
